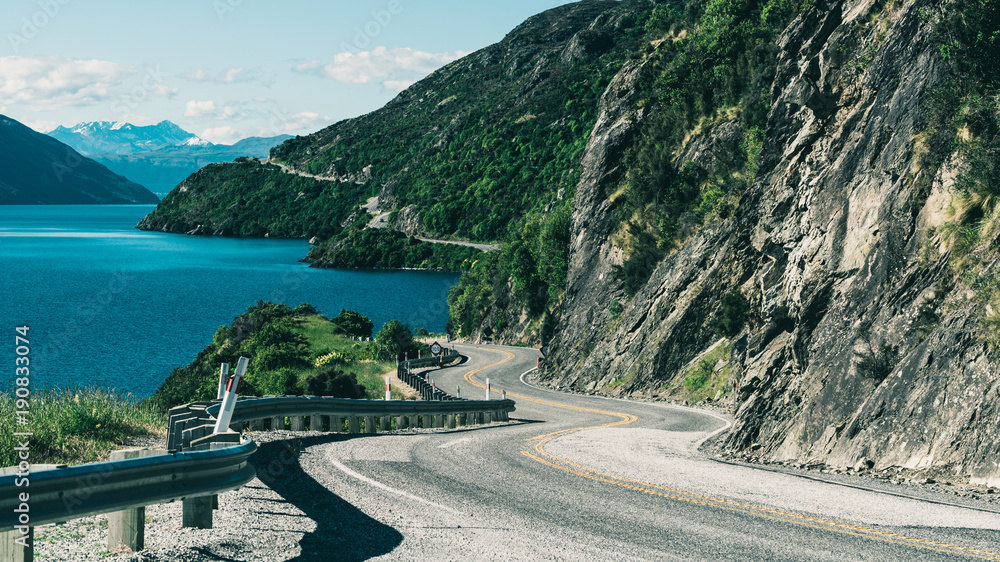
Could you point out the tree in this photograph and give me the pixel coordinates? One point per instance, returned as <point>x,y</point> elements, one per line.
<point>336,383</point>
<point>394,339</point>
<point>353,324</point>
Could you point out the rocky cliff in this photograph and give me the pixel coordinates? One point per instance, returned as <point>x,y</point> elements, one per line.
<point>867,337</point>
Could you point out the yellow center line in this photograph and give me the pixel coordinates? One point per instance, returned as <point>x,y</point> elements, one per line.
<point>691,497</point>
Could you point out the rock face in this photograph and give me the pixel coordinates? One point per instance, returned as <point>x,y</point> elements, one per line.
<point>860,349</point>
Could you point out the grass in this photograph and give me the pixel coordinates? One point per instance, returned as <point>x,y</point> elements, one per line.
<point>75,425</point>
<point>322,342</point>
<point>704,380</point>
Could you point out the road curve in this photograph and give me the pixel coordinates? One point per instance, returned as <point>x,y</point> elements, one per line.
<point>585,478</point>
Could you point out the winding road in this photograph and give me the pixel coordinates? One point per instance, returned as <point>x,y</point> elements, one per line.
<point>586,478</point>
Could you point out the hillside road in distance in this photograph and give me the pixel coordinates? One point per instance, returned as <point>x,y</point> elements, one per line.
<point>576,477</point>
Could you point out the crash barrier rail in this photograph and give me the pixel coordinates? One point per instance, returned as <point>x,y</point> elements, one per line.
<point>40,495</point>
<point>200,462</point>
<point>419,382</point>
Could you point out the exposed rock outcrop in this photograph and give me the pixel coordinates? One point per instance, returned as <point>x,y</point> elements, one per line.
<point>859,346</point>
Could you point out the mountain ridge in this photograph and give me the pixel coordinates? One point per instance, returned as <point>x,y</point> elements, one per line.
<point>158,156</point>
<point>791,208</point>
<point>37,169</point>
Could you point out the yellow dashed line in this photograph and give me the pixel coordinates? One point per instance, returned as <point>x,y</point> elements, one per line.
<point>690,497</point>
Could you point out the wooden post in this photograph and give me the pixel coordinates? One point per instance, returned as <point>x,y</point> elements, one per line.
<point>369,424</point>
<point>277,423</point>
<point>414,421</point>
<point>386,424</point>
<point>439,420</point>
<point>128,527</point>
<point>451,421</point>
<point>15,551</point>
<point>353,426</point>
<point>197,512</point>
<point>316,422</point>
<point>298,423</point>
<point>428,421</point>
<point>400,422</point>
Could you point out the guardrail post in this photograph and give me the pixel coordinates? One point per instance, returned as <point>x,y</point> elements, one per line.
<point>197,512</point>
<point>298,423</point>
<point>439,420</point>
<point>369,424</point>
<point>337,424</point>
<point>257,425</point>
<point>451,421</point>
<point>17,551</point>
<point>352,424</point>
<point>462,419</point>
<point>428,421</point>
<point>385,424</point>
<point>414,421</point>
<point>278,423</point>
<point>316,422</point>
<point>128,527</point>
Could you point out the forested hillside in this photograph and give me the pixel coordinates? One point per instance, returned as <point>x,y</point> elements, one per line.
<point>791,206</point>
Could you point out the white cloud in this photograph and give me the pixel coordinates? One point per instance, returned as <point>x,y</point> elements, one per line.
<point>393,67</point>
<point>305,121</point>
<point>307,66</point>
<point>222,135</point>
<point>41,126</point>
<point>208,110</point>
<point>47,83</point>
<point>199,109</point>
<point>398,85</point>
<point>235,75</point>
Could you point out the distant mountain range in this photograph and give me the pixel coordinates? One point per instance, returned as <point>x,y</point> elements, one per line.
<point>157,156</point>
<point>38,169</point>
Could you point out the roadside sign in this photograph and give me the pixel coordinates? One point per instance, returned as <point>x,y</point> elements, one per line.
<point>436,348</point>
<point>545,350</point>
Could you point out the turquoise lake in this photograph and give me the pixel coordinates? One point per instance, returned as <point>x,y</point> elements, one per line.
<point>116,307</point>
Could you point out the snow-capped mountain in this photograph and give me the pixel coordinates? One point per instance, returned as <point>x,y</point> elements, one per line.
<point>157,156</point>
<point>106,137</point>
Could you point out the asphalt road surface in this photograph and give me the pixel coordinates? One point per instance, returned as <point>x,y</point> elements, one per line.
<point>585,478</point>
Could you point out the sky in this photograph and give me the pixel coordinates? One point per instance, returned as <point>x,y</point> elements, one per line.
<point>230,69</point>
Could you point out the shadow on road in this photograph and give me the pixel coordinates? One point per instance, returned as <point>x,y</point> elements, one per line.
<point>343,532</point>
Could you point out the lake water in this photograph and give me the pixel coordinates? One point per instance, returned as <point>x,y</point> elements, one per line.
<point>113,306</point>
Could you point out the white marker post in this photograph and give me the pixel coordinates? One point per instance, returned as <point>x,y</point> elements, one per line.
<point>388,394</point>
<point>229,400</point>
<point>223,375</point>
<point>487,389</point>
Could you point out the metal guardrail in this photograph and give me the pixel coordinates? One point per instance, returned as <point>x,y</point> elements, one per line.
<point>198,464</point>
<point>68,493</point>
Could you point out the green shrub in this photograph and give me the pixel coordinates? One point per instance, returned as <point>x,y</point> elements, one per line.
<point>734,311</point>
<point>353,324</point>
<point>336,383</point>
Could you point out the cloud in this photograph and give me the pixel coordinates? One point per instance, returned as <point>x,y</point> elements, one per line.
<point>398,85</point>
<point>41,126</point>
<point>208,110</point>
<point>199,109</point>
<point>47,83</point>
<point>395,68</point>
<point>235,75</point>
<point>222,135</point>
